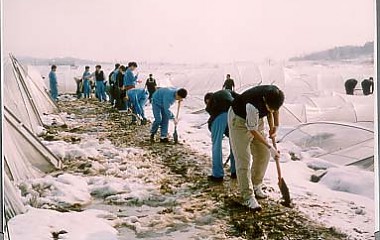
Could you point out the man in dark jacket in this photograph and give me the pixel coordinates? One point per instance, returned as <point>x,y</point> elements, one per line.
<point>350,85</point>
<point>151,86</point>
<point>367,86</point>
<point>100,78</point>
<point>229,84</point>
<point>217,105</point>
<point>112,81</point>
<point>118,87</point>
<point>246,127</point>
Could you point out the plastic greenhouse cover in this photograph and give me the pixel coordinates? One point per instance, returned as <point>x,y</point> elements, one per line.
<point>341,143</point>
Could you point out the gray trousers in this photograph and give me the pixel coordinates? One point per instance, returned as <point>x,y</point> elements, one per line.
<point>250,171</point>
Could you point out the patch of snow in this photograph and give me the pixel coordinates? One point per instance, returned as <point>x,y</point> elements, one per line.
<point>66,190</point>
<point>41,131</point>
<point>351,180</point>
<point>39,224</point>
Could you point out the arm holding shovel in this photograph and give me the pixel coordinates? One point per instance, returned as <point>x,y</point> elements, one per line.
<point>252,126</point>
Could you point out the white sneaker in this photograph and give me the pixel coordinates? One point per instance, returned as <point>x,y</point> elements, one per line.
<point>252,203</point>
<point>259,193</point>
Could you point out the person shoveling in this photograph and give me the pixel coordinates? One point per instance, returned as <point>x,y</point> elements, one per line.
<point>246,130</point>
<point>162,99</point>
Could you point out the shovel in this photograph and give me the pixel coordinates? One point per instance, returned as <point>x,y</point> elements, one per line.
<point>175,134</point>
<point>281,182</point>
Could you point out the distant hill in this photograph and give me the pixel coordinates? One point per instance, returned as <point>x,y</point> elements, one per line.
<point>340,53</point>
<point>57,61</point>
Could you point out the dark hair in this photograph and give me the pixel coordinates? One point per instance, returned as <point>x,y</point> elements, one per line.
<point>53,67</point>
<point>150,75</point>
<point>98,66</point>
<point>132,64</point>
<point>117,65</point>
<point>87,67</point>
<point>274,98</point>
<point>182,92</point>
<point>122,68</point>
<point>228,75</point>
<point>208,96</point>
<point>371,78</point>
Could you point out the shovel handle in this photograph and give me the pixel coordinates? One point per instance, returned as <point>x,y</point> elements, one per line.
<point>277,161</point>
<point>179,105</point>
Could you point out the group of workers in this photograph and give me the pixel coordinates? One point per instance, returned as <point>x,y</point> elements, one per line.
<point>367,86</point>
<point>237,116</point>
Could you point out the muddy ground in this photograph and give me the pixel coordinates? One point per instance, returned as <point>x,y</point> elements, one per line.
<point>185,167</point>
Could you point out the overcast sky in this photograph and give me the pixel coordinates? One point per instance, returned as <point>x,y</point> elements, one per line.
<point>183,30</point>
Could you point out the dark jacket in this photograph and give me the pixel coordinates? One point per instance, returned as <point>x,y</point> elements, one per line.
<point>119,79</point>
<point>219,103</point>
<point>229,84</point>
<point>254,96</point>
<point>151,84</point>
<point>367,86</point>
<point>99,76</point>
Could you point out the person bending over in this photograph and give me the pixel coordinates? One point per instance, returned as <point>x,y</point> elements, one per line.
<point>246,128</point>
<point>217,105</point>
<point>138,98</point>
<point>367,86</point>
<point>350,85</point>
<point>162,99</point>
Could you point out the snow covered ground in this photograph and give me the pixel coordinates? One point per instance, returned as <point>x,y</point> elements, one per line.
<point>343,199</point>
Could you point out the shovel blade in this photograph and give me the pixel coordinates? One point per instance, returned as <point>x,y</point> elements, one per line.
<point>175,135</point>
<point>284,192</point>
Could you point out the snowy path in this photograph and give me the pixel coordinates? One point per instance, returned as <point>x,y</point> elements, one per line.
<point>149,191</point>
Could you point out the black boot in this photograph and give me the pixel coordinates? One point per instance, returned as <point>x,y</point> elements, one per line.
<point>215,179</point>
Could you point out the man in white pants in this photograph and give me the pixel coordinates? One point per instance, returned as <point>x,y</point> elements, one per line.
<point>246,128</point>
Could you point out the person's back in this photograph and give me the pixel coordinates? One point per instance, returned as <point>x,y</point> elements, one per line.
<point>367,86</point>
<point>113,74</point>
<point>164,96</point>
<point>119,79</point>
<point>350,85</point>
<point>254,96</point>
<point>219,102</point>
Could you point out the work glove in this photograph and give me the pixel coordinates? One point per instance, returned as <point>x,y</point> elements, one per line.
<point>274,153</point>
